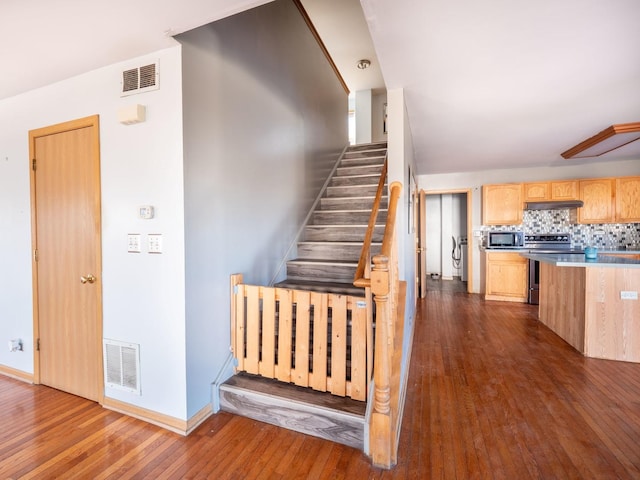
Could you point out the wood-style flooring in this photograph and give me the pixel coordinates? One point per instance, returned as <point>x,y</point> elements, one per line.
<point>492,394</point>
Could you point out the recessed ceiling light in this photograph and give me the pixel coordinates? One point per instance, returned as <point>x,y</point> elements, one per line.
<point>613,137</point>
<point>364,64</point>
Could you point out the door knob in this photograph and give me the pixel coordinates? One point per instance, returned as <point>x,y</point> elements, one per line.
<point>88,279</point>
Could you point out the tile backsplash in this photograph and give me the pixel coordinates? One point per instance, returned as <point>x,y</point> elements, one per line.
<point>607,236</point>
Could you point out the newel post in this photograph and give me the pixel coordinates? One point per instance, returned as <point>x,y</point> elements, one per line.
<point>381,444</point>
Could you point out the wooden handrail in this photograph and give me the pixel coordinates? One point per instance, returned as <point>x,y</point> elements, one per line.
<point>359,279</point>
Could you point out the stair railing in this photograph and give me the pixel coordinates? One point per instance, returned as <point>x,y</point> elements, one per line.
<point>362,277</point>
<point>384,284</point>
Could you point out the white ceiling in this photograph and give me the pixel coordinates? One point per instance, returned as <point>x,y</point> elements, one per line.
<point>488,83</point>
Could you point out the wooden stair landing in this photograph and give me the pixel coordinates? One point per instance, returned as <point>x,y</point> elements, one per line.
<point>341,420</point>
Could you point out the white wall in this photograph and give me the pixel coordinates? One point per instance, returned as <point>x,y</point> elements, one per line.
<point>140,164</point>
<point>401,161</point>
<point>364,132</point>
<point>265,116</point>
<point>475,180</point>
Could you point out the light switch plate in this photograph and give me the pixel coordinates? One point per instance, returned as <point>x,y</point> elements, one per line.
<point>133,243</point>
<point>154,242</point>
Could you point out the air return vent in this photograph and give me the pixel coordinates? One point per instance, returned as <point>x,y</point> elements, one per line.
<point>140,79</point>
<point>122,366</point>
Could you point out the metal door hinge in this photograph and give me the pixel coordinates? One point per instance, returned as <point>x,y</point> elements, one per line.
<point>35,255</point>
<point>33,164</point>
<point>38,345</point>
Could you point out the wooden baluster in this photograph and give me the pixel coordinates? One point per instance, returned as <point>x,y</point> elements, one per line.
<point>381,424</point>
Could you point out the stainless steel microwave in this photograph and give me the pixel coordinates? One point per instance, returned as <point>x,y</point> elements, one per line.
<point>505,239</point>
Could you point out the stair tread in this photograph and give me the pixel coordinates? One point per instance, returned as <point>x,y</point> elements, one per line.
<point>324,287</point>
<point>359,210</point>
<point>289,391</point>
<point>329,242</point>
<point>326,261</point>
<point>342,225</point>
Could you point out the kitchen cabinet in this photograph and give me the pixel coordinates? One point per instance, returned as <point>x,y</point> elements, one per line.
<point>502,204</point>
<point>536,192</point>
<point>556,190</point>
<point>507,276</point>
<point>564,190</point>
<point>627,195</point>
<point>597,195</point>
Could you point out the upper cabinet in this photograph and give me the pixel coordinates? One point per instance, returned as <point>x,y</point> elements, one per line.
<point>502,204</point>
<point>606,200</point>
<point>564,190</point>
<point>597,195</point>
<point>545,191</point>
<point>627,194</point>
<point>537,192</point>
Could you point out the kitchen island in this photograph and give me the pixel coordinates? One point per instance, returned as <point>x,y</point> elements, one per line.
<point>592,304</point>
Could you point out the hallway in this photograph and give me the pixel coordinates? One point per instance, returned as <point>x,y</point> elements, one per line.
<point>492,394</point>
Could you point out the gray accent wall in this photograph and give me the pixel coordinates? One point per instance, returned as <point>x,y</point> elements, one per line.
<point>265,118</point>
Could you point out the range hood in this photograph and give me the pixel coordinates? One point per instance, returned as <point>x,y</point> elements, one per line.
<point>553,205</point>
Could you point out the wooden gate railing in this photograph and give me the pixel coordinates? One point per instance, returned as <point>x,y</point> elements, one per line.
<point>311,339</point>
<point>383,283</point>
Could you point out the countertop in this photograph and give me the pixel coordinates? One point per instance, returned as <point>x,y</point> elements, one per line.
<point>579,260</point>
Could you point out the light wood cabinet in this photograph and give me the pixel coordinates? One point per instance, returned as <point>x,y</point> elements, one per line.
<point>597,195</point>
<point>564,190</point>
<point>502,204</point>
<point>507,277</point>
<point>557,190</point>
<point>627,194</point>
<point>536,192</point>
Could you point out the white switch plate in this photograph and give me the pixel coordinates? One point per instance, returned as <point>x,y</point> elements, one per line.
<point>155,242</point>
<point>628,295</point>
<point>133,243</point>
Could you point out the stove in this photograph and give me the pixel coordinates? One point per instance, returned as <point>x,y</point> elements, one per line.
<point>551,243</point>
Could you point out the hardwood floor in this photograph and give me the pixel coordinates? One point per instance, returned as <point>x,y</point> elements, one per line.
<point>493,394</point>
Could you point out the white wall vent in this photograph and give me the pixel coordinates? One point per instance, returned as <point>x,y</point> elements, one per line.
<point>140,79</point>
<point>122,366</point>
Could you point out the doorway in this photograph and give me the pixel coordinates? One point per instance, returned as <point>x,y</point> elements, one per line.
<point>66,240</point>
<point>448,240</point>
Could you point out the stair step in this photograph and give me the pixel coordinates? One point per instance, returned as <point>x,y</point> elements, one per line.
<point>359,170</point>
<point>319,414</point>
<point>341,233</point>
<point>367,146</point>
<point>356,203</point>
<point>355,180</point>
<point>321,270</point>
<point>353,191</point>
<point>360,161</point>
<point>346,217</point>
<point>349,251</point>
<point>340,288</point>
<point>365,153</point>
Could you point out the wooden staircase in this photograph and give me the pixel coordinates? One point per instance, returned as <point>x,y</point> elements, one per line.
<point>332,240</point>
<point>327,258</point>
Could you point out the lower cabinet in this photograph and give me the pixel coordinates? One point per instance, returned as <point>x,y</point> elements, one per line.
<point>507,277</point>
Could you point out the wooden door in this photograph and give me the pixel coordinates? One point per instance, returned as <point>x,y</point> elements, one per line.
<point>65,189</point>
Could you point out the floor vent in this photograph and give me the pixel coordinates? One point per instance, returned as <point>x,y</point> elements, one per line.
<point>140,79</point>
<point>122,366</point>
